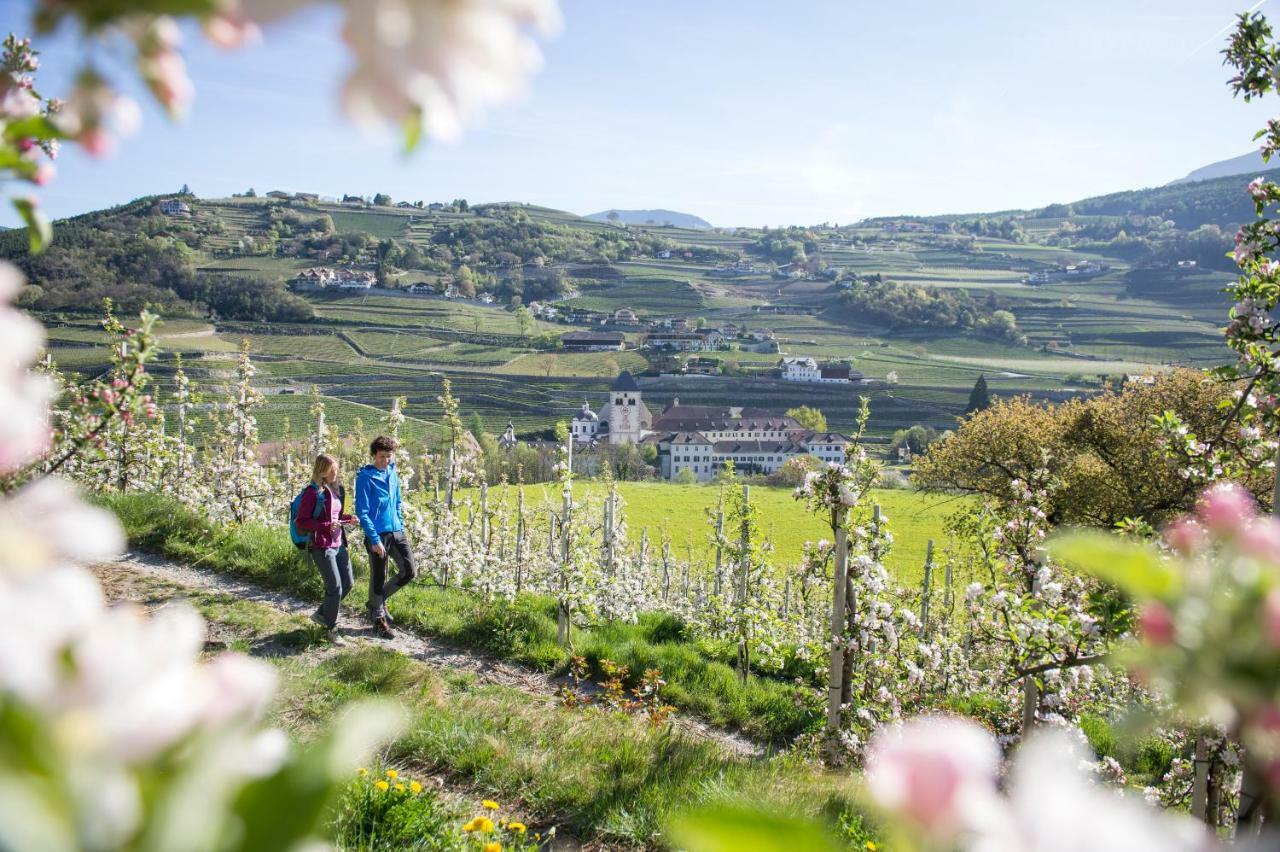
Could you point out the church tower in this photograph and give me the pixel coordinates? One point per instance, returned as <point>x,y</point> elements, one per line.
<point>628,418</point>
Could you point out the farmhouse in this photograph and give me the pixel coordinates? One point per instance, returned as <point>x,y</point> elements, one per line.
<point>592,341</point>
<point>677,341</point>
<point>174,207</point>
<point>625,316</point>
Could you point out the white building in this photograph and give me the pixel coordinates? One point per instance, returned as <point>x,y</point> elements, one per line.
<point>800,370</point>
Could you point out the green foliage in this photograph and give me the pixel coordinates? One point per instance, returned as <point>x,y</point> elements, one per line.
<point>1136,568</point>
<point>731,830</point>
<point>897,305</point>
<point>1102,739</point>
<point>979,397</point>
<point>369,819</point>
<point>809,417</point>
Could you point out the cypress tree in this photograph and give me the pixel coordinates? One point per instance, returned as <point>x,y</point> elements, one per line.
<point>979,397</point>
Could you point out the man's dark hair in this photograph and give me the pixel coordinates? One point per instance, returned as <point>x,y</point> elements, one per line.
<point>382,444</point>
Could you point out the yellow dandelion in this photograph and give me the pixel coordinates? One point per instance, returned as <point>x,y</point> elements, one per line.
<point>415,787</point>
<point>517,827</point>
<point>392,774</point>
<point>490,805</point>
<point>871,846</point>
<point>362,772</point>
<point>485,826</point>
<point>382,786</point>
<point>472,825</point>
<point>399,788</point>
<point>493,847</point>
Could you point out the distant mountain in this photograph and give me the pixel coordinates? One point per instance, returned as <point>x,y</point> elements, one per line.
<point>1250,164</point>
<point>651,217</point>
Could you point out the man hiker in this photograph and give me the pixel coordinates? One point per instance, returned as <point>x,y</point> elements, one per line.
<point>378,508</point>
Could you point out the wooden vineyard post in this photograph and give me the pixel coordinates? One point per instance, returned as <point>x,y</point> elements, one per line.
<point>519,538</point>
<point>742,592</point>
<point>485,531</point>
<point>1200,781</point>
<point>448,485</point>
<point>562,611</point>
<point>1030,689</point>
<point>719,540</point>
<point>838,652</point>
<point>608,534</point>
<point>924,592</point>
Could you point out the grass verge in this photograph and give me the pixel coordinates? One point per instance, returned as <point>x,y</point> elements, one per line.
<point>699,680</point>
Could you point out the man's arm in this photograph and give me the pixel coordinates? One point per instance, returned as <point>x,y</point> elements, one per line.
<point>364,508</point>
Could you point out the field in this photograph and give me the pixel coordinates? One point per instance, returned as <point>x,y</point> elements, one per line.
<point>683,514</point>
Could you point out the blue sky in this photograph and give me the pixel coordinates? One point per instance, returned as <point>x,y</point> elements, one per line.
<point>745,112</point>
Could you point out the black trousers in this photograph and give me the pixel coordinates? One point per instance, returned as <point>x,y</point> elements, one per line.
<point>398,551</point>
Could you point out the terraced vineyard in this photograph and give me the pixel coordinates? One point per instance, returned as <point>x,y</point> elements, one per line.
<point>372,347</point>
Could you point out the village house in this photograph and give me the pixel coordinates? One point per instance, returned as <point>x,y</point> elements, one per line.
<point>592,341</point>
<point>799,370</point>
<point>276,193</point>
<point>674,341</point>
<point>174,207</point>
<point>326,278</point>
<point>625,316</point>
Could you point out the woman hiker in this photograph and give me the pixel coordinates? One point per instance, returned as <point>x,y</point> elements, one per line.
<point>328,546</point>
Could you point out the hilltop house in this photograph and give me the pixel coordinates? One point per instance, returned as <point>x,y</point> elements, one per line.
<point>174,207</point>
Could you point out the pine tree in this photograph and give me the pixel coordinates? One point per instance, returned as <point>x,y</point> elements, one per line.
<point>979,397</point>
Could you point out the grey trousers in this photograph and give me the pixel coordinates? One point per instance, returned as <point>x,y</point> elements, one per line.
<point>380,588</point>
<point>334,564</point>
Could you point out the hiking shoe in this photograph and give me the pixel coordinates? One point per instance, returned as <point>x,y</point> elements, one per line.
<point>319,619</point>
<point>336,639</point>
<point>383,629</point>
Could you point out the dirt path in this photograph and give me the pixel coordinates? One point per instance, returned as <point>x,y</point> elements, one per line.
<point>433,652</point>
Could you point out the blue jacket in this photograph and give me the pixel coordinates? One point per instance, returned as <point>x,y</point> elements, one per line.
<point>378,501</point>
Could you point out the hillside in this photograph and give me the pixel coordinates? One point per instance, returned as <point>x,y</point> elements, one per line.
<point>922,308</point>
<point>651,217</point>
<point>1250,164</point>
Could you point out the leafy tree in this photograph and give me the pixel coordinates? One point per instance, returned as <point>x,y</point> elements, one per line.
<point>979,397</point>
<point>1109,459</point>
<point>524,319</point>
<point>381,199</point>
<point>917,438</point>
<point>809,418</point>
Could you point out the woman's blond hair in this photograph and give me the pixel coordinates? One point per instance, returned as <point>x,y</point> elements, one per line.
<point>321,468</point>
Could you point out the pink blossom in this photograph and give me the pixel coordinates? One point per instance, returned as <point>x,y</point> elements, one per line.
<point>1155,622</point>
<point>1225,508</point>
<point>1185,536</point>
<point>1258,188</point>
<point>231,29</point>
<point>936,772</point>
<point>166,74</point>
<point>1271,618</point>
<point>1261,539</point>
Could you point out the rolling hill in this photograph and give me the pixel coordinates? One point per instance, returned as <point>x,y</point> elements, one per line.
<point>1250,163</point>
<point>651,217</point>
